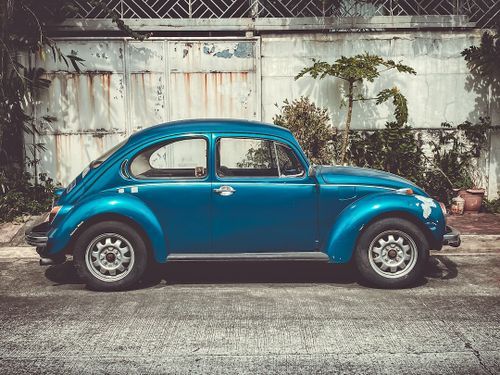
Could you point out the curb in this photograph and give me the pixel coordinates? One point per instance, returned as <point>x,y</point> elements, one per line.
<point>472,244</point>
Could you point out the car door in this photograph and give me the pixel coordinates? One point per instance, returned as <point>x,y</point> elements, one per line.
<point>173,180</point>
<point>262,198</point>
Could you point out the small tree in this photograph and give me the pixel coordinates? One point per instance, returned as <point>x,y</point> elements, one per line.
<point>354,71</point>
<point>310,125</point>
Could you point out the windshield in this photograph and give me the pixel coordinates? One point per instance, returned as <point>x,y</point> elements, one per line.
<point>101,159</point>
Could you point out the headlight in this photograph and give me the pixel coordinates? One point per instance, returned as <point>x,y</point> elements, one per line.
<point>53,213</point>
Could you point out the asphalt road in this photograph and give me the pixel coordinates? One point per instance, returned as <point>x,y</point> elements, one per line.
<point>252,318</point>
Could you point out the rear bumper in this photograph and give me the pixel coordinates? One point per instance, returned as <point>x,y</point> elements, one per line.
<point>451,237</point>
<point>38,235</point>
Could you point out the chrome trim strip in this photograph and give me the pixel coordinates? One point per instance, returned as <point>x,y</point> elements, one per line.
<point>36,240</point>
<point>305,256</point>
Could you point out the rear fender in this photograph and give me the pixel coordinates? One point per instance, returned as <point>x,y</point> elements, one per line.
<point>354,218</point>
<point>108,203</point>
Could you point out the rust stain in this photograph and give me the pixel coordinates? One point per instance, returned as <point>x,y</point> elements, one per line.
<point>106,85</point>
<point>205,93</point>
<point>76,83</point>
<point>187,87</point>
<point>57,156</point>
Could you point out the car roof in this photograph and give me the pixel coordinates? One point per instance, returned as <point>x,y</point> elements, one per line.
<point>210,126</point>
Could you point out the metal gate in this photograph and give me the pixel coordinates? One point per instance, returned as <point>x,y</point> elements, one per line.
<point>126,85</point>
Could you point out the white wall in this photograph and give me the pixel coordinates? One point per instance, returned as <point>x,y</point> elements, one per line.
<point>442,90</point>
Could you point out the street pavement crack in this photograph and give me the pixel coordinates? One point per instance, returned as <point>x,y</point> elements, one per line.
<point>466,343</point>
<point>476,353</point>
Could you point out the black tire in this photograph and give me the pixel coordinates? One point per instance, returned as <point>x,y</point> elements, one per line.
<point>100,232</point>
<point>374,270</point>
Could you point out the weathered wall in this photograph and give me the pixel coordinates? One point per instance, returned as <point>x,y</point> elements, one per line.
<point>127,85</point>
<point>442,90</point>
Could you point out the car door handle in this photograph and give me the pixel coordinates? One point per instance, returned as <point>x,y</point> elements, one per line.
<point>224,190</point>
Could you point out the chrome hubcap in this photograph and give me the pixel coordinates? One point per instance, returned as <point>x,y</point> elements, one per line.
<point>109,257</point>
<point>392,254</point>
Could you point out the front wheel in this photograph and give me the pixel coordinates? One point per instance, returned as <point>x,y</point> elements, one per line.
<point>110,256</point>
<point>391,253</point>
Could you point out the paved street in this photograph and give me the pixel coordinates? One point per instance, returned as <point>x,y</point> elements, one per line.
<point>251,318</point>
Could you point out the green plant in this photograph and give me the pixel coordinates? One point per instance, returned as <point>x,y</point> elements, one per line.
<point>354,71</point>
<point>453,156</point>
<point>483,59</point>
<point>491,206</point>
<point>24,28</point>
<point>23,196</point>
<point>393,149</point>
<point>311,126</point>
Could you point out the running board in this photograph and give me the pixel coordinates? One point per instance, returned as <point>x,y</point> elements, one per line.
<point>313,255</point>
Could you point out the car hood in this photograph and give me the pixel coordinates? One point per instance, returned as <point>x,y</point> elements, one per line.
<point>365,176</point>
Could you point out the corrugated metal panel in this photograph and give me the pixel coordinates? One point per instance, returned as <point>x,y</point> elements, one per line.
<point>68,154</point>
<point>147,83</point>
<point>87,102</point>
<point>125,86</point>
<point>213,79</point>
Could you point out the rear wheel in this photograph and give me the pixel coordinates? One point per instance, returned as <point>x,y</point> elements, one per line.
<point>391,253</point>
<point>110,256</point>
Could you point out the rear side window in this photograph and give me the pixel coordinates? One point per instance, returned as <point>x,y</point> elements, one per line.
<point>249,157</point>
<point>184,158</point>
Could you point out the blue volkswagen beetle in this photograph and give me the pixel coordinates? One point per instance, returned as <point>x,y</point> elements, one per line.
<point>216,189</point>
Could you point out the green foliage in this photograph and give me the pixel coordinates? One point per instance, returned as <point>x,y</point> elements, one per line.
<point>484,59</point>
<point>394,149</point>
<point>19,196</point>
<point>354,71</point>
<point>23,30</point>
<point>492,206</point>
<point>398,100</point>
<point>398,150</point>
<point>311,126</point>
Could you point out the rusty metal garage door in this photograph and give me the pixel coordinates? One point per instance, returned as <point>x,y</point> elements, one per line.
<point>125,86</point>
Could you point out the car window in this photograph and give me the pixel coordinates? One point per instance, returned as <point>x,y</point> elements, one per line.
<point>185,158</point>
<point>246,157</point>
<point>289,165</point>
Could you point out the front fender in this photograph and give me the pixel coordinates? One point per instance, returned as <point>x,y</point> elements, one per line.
<point>348,226</point>
<point>107,203</point>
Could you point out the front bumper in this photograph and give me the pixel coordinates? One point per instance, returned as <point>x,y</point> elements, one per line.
<point>38,235</point>
<point>451,237</point>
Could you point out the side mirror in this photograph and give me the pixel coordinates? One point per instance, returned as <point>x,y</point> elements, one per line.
<point>312,170</point>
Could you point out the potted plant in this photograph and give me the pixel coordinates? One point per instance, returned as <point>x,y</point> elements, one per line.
<point>474,195</point>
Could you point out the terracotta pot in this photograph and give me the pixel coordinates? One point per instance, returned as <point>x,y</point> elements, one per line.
<point>473,199</point>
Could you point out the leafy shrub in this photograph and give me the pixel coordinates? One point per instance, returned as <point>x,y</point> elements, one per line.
<point>492,206</point>
<point>393,149</point>
<point>20,196</point>
<point>311,126</point>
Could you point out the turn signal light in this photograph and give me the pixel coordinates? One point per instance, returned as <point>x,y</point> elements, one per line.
<point>53,213</point>
<point>406,191</point>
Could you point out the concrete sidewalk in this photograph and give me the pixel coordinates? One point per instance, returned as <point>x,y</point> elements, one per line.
<point>471,245</point>
<point>480,234</point>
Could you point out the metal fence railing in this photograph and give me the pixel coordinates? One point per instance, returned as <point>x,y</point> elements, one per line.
<point>483,12</point>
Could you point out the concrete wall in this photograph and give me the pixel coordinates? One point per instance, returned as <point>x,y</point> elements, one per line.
<point>259,76</point>
<point>442,90</point>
